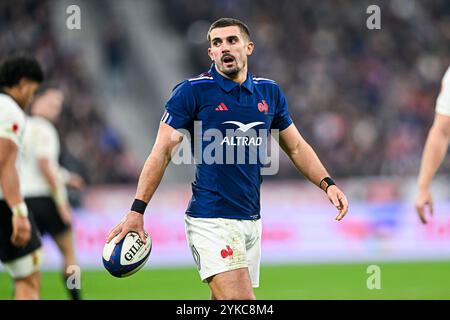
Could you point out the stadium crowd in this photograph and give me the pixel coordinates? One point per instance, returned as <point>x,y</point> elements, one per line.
<point>363,98</point>
<point>89,146</point>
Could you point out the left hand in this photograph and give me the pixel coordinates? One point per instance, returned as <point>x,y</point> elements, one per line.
<point>21,231</point>
<point>132,221</point>
<point>423,201</point>
<point>76,181</point>
<point>339,200</point>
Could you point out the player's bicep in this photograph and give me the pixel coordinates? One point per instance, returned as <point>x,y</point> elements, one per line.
<point>442,125</point>
<point>8,153</point>
<point>167,140</point>
<point>291,140</point>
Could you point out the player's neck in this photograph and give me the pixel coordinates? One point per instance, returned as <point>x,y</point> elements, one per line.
<point>13,94</point>
<point>239,78</point>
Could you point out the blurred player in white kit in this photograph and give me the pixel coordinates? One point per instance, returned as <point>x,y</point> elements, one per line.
<point>435,149</point>
<point>43,179</point>
<point>20,242</point>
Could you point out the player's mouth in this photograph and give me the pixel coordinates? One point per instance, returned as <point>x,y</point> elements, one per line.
<point>228,60</point>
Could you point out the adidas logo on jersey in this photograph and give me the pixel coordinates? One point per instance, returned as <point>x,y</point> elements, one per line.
<point>222,107</point>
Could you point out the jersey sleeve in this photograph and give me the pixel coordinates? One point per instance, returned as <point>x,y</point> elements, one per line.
<point>282,118</point>
<point>443,100</point>
<point>11,126</point>
<point>180,109</point>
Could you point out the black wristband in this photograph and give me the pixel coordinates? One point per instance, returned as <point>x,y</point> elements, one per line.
<point>325,183</point>
<point>138,206</point>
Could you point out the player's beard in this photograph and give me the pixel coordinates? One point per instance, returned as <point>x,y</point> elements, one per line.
<point>232,72</point>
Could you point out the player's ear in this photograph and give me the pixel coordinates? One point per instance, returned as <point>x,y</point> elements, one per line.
<point>23,84</point>
<point>250,46</point>
<point>210,54</point>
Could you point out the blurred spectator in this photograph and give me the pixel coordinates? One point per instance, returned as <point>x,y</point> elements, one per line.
<point>89,146</point>
<point>115,50</point>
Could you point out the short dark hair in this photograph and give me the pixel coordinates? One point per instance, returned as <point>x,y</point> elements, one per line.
<point>16,67</point>
<point>228,22</point>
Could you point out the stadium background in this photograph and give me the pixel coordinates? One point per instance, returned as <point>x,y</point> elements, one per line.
<point>363,98</point>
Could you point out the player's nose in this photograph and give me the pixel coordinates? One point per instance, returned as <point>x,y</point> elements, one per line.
<point>225,47</point>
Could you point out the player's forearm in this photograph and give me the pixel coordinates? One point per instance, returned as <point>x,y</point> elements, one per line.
<point>57,187</point>
<point>152,174</point>
<point>9,182</point>
<point>308,163</point>
<point>434,152</point>
<point>49,174</point>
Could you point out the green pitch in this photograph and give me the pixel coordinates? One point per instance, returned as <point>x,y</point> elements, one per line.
<point>427,280</point>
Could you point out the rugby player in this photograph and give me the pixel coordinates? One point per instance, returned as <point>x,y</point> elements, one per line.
<point>435,149</point>
<point>20,244</point>
<point>223,225</point>
<point>43,185</point>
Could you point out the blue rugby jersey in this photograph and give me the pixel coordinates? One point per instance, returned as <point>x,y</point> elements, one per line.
<point>238,113</point>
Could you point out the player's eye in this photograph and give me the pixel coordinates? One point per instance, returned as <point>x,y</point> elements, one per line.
<point>233,40</point>
<point>216,43</point>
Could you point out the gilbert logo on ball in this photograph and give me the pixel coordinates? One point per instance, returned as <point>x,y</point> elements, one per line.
<point>128,256</point>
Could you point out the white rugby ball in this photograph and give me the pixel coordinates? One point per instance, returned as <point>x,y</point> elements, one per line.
<point>128,256</point>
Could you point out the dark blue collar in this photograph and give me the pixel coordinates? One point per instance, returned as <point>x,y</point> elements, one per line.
<point>226,84</point>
